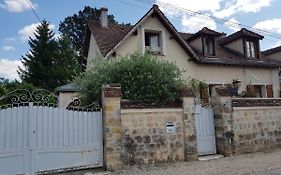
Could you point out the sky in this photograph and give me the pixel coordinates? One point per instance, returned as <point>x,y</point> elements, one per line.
<point>19,22</point>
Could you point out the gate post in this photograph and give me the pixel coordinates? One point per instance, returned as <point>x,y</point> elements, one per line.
<point>111,98</point>
<point>190,139</point>
<point>223,121</point>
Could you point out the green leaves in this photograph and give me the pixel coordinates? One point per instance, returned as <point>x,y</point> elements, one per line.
<point>142,77</point>
<point>49,63</point>
<point>74,26</point>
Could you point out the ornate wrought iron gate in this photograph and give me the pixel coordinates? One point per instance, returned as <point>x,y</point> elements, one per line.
<point>35,136</point>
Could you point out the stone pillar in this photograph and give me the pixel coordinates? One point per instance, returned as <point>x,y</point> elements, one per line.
<point>223,121</point>
<point>111,98</point>
<point>190,138</point>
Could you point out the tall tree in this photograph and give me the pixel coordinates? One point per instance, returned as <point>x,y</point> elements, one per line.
<point>47,60</point>
<point>66,66</point>
<point>39,60</point>
<point>74,26</point>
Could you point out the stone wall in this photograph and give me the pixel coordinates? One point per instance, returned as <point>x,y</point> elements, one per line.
<point>246,125</point>
<point>256,129</point>
<point>146,135</point>
<point>145,139</point>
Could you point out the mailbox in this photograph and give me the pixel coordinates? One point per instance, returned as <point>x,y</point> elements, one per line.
<point>170,127</point>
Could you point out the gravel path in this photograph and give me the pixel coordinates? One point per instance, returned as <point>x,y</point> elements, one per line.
<point>248,164</point>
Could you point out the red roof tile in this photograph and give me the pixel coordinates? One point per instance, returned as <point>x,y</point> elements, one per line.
<point>107,38</point>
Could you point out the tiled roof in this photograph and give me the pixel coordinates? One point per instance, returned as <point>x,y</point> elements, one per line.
<point>107,38</point>
<point>185,36</point>
<point>226,56</point>
<point>272,50</point>
<point>239,34</point>
<point>70,87</point>
<point>205,30</point>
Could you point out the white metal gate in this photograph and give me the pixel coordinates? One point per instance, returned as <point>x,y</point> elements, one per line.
<point>35,138</point>
<point>204,120</point>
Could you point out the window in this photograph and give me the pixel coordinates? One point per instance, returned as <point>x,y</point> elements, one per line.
<point>258,91</point>
<point>251,49</point>
<point>209,46</point>
<point>153,42</point>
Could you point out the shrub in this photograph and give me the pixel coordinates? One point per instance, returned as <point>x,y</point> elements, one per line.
<point>142,78</point>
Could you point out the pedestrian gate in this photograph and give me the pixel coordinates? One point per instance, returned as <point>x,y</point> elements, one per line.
<point>36,137</point>
<point>204,120</point>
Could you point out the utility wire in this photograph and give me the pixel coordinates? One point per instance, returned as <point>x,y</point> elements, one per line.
<point>210,17</point>
<point>31,6</point>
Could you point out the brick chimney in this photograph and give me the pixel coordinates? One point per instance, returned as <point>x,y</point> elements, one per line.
<point>103,17</point>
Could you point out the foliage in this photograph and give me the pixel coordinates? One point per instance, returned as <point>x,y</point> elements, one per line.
<point>74,26</point>
<point>142,77</point>
<point>7,86</point>
<point>196,85</point>
<point>49,63</point>
<point>247,94</point>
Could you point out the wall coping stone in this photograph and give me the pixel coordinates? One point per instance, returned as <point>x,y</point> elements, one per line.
<point>187,93</point>
<point>128,111</point>
<point>112,90</point>
<point>254,102</point>
<point>223,91</point>
<point>256,107</point>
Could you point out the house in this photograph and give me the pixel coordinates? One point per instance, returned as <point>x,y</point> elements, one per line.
<point>208,55</point>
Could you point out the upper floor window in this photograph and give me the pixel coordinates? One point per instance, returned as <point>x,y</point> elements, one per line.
<point>209,46</point>
<point>251,49</point>
<point>153,42</point>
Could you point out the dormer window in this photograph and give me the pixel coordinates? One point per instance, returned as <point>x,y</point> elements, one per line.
<point>251,49</point>
<point>153,42</point>
<point>209,46</point>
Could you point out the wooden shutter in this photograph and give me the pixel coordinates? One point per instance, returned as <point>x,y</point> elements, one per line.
<point>251,91</point>
<point>269,91</point>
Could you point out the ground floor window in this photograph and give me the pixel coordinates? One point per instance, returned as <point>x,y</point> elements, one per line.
<point>260,91</point>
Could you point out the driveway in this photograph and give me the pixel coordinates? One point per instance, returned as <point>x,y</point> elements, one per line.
<point>247,164</point>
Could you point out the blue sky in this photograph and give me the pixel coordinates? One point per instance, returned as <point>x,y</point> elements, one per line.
<point>19,22</point>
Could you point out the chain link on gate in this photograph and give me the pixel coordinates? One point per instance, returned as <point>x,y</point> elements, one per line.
<point>22,97</point>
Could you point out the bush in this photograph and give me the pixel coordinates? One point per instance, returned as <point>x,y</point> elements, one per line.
<point>142,78</point>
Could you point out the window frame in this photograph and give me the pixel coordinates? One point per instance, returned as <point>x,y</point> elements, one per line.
<point>251,48</point>
<point>161,41</point>
<point>205,45</point>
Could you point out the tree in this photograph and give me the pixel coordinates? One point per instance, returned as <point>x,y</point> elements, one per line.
<point>49,63</point>
<point>74,26</point>
<point>142,77</point>
<point>66,67</point>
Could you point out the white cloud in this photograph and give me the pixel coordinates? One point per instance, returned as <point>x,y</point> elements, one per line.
<point>271,25</point>
<point>17,5</point>
<point>196,23</point>
<point>8,68</point>
<point>232,24</point>
<point>198,5</point>
<point>218,8</point>
<point>8,48</point>
<point>245,6</point>
<point>28,31</point>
